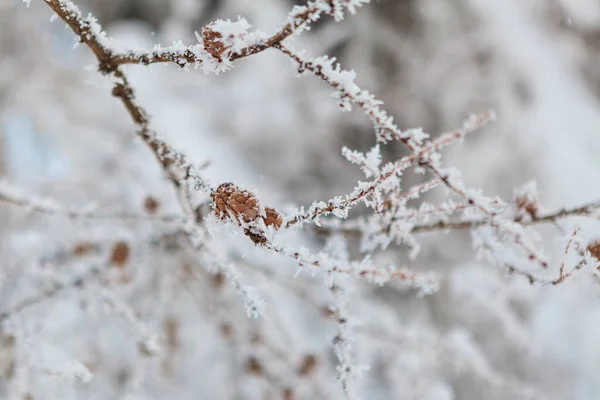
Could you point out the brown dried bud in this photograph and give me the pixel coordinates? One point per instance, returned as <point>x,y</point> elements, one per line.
<point>387,204</point>
<point>273,218</point>
<point>308,365</point>
<point>82,248</point>
<point>151,205</point>
<point>213,43</point>
<point>594,249</point>
<point>253,366</point>
<point>120,254</point>
<point>229,201</point>
<point>218,279</point>
<point>226,330</point>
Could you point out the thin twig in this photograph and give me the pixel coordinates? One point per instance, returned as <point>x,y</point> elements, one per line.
<point>12,196</point>
<point>56,289</point>
<point>587,209</point>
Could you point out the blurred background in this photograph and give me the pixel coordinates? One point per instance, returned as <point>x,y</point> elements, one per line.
<point>483,335</point>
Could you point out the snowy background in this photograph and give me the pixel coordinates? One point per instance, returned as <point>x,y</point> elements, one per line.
<point>121,310</point>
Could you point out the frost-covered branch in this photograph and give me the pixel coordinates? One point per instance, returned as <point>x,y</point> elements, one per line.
<point>183,55</point>
<point>57,288</point>
<point>215,37</point>
<point>12,195</point>
<point>175,164</point>
<point>241,209</point>
<point>349,93</point>
<point>386,179</point>
<point>343,269</point>
<point>343,342</point>
<point>588,209</point>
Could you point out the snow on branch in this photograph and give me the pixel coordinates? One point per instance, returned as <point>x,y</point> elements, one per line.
<point>348,94</point>
<point>57,288</point>
<point>175,164</point>
<point>241,208</point>
<point>386,179</point>
<point>226,41</point>
<point>12,195</point>
<point>591,209</point>
<point>336,268</point>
